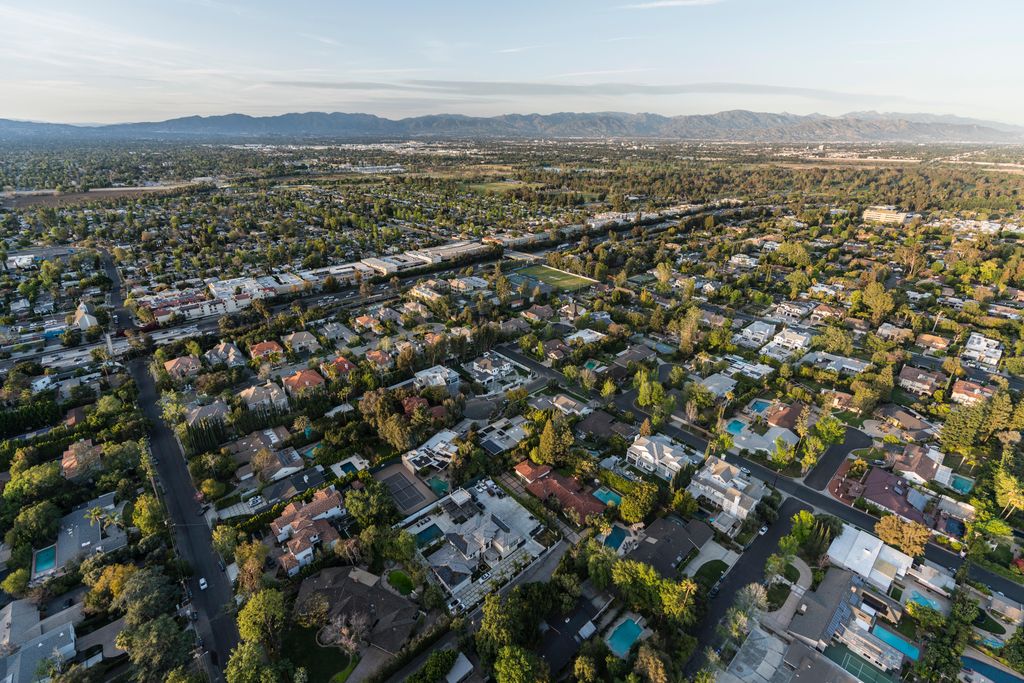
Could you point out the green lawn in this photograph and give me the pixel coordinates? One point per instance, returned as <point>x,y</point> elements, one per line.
<point>908,626</point>
<point>401,581</point>
<point>777,594</point>
<point>985,622</point>
<point>564,281</point>
<point>323,664</point>
<point>710,572</point>
<point>791,573</point>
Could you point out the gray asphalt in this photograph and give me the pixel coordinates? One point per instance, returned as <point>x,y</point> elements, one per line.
<point>215,605</point>
<point>819,477</point>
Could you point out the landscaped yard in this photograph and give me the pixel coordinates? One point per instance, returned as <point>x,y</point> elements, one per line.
<point>322,664</point>
<point>777,594</point>
<point>985,622</point>
<point>710,572</point>
<point>791,573</point>
<point>401,581</point>
<point>564,281</point>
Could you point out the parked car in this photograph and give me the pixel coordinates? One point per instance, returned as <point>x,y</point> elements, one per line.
<point>744,470</point>
<point>202,583</point>
<point>763,530</point>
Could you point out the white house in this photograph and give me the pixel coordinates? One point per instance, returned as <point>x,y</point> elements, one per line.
<point>727,487</point>
<point>866,556</point>
<point>755,335</point>
<point>787,344</point>
<point>437,376</point>
<point>981,349</point>
<point>660,455</point>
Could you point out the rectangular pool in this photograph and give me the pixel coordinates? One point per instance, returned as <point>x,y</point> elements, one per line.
<point>607,496</point>
<point>615,537</point>
<point>623,637</point>
<point>990,672</point>
<point>427,535</point>
<point>961,484</point>
<point>759,406</point>
<point>44,560</point>
<point>890,638</point>
<point>734,426</point>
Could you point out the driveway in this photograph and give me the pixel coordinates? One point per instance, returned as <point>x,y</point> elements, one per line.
<point>750,569</point>
<point>819,477</point>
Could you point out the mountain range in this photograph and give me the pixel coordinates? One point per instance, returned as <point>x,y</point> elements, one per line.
<point>726,126</point>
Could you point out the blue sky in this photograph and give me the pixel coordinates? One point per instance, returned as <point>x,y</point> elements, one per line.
<point>105,61</point>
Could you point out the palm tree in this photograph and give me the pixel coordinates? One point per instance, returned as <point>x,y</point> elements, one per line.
<point>95,516</point>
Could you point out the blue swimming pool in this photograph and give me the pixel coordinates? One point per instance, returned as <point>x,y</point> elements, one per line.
<point>991,642</point>
<point>989,671</point>
<point>955,528</point>
<point>607,496</point>
<point>924,600</point>
<point>615,537</point>
<point>623,637</point>
<point>44,560</point>
<point>890,638</point>
<point>759,406</point>
<point>438,486</point>
<point>961,484</point>
<point>427,535</point>
<point>348,468</point>
<point>734,426</point>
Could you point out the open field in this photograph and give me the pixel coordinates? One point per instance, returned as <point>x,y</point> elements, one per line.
<point>566,282</point>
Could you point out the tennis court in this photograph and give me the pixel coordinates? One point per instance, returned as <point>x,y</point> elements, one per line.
<point>859,667</point>
<point>556,278</point>
<point>409,493</point>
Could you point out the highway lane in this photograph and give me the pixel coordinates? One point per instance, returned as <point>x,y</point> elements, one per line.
<point>215,605</point>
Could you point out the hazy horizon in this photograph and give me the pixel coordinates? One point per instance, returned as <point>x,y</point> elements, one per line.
<point>113,62</point>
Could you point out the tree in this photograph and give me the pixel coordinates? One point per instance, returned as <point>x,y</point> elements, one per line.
<point>145,594</point>
<point>248,664</point>
<point>147,515</point>
<point>608,389</point>
<point>548,446</point>
<point>878,301</point>
<point>250,558</point>
<point>16,583</point>
<point>225,540</point>
<point>155,647</point>
<point>638,503</point>
<point>650,665</point>
<point>684,503</point>
<point>262,618</point>
<point>910,537</point>
<point>515,664</point>
<point>370,505</point>
<point>645,427</point>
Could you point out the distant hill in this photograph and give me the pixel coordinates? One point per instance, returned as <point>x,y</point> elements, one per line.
<point>733,126</point>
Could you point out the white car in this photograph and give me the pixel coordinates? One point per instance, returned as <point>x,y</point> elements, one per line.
<point>202,583</point>
<point>744,470</point>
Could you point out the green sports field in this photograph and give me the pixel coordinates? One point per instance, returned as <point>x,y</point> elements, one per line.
<point>567,282</point>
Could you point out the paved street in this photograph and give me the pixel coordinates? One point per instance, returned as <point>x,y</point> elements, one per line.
<point>750,569</point>
<point>215,605</point>
<point>819,477</point>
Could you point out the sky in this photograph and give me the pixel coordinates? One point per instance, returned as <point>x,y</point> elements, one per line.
<point>108,61</point>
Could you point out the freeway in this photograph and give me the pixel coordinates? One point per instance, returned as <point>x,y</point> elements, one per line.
<point>215,605</point>
<point>795,488</point>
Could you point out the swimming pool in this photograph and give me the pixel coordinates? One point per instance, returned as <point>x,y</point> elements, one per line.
<point>427,535</point>
<point>924,600</point>
<point>348,468</point>
<point>44,560</point>
<point>961,484</point>
<point>759,406</point>
<point>989,671</point>
<point>991,642</point>
<point>623,637</point>
<point>438,486</point>
<point>890,638</point>
<point>615,537</point>
<point>734,426</point>
<point>607,496</point>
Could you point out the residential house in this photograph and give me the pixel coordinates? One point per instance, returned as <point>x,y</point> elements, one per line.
<point>661,455</point>
<point>182,367</point>
<point>869,558</point>
<point>568,495</point>
<point>892,333</point>
<point>81,458</point>
<point>435,454</point>
<point>302,382</point>
<point>921,382</point>
<point>918,464</point>
<point>301,342</point>
<point>726,487</point>
<point>503,434</point>
<point>304,527</point>
<point>269,396</point>
<point>889,492</point>
<point>438,376</point>
<point>932,342</point>
<point>601,426</point>
<point>79,535</point>
<point>380,360</point>
<point>968,393</point>
<point>569,406</point>
<point>755,335</point>
<point>337,368</point>
<point>538,313</point>
<point>265,349</point>
<point>211,413</point>
<point>490,367</point>
<point>84,317</point>
<point>556,350</point>
<point>583,337</point>
<point>982,350</point>
<point>667,541</point>
<point>786,344</point>
<point>225,353</point>
<point>30,644</point>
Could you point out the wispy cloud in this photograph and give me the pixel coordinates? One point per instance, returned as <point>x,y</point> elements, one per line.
<point>603,72</point>
<point>521,48</point>
<point>320,39</point>
<point>661,4</point>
